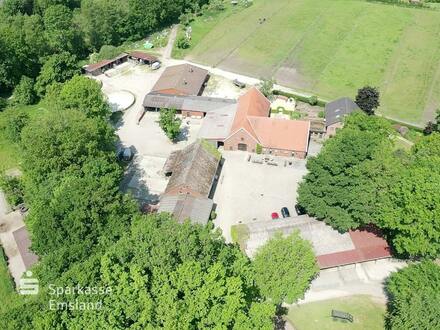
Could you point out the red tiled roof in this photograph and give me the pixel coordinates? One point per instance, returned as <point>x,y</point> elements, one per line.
<point>369,245</point>
<point>252,103</point>
<point>281,133</point>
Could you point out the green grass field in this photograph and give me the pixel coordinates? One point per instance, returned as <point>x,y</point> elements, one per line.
<point>367,314</point>
<point>331,48</point>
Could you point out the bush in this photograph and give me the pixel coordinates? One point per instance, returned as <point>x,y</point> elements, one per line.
<point>183,42</point>
<point>313,100</point>
<point>3,103</point>
<point>24,92</point>
<point>259,149</point>
<point>15,120</point>
<point>321,114</point>
<point>300,98</point>
<point>13,188</point>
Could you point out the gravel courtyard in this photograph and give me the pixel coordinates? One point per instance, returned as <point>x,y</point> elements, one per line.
<point>248,192</point>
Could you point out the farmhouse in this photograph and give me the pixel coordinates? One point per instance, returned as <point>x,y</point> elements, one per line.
<point>188,106</point>
<point>335,112</point>
<point>252,127</point>
<point>104,65</point>
<point>193,172</point>
<point>183,79</point>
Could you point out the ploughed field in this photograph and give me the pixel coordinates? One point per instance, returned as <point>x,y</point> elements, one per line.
<point>331,48</point>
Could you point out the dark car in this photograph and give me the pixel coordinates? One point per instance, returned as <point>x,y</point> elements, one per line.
<point>238,83</point>
<point>125,154</point>
<point>300,210</point>
<point>285,212</point>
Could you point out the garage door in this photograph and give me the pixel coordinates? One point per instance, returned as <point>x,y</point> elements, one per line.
<point>242,147</point>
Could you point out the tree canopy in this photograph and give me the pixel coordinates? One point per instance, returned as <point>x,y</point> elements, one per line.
<point>169,123</point>
<point>163,274</point>
<point>367,99</point>
<point>414,297</point>
<point>284,268</point>
<point>83,94</point>
<point>343,180</point>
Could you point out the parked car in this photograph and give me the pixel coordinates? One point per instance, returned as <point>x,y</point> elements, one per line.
<point>22,208</point>
<point>300,210</point>
<point>275,216</point>
<point>285,212</point>
<point>155,65</point>
<point>238,83</point>
<point>125,154</point>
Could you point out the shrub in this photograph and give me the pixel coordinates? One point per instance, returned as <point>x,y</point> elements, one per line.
<point>15,120</point>
<point>24,92</point>
<point>321,114</point>
<point>259,149</point>
<point>313,100</point>
<point>13,188</point>
<point>183,42</point>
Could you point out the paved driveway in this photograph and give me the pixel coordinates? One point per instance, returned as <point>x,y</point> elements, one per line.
<point>249,192</point>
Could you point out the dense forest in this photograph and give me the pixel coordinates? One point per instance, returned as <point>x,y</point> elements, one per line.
<point>41,39</point>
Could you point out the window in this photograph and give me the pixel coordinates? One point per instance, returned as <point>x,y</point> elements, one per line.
<point>242,139</point>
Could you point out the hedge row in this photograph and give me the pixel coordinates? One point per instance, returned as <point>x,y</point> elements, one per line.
<point>312,100</point>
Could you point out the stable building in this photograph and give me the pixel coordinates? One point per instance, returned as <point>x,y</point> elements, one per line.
<point>188,106</point>
<point>183,79</point>
<point>96,69</point>
<point>142,58</point>
<point>193,172</point>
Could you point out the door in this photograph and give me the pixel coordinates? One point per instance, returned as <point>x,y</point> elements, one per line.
<point>242,147</point>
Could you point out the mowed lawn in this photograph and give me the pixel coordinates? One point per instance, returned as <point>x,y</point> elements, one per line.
<point>367,314</point>
<point>332,48</point>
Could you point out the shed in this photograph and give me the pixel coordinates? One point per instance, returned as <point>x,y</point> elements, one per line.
<point>183,79</point>
<point>335,111</point>
<point>183,207</point>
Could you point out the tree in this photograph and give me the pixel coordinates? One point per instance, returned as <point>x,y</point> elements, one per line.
<point>342,185</point>
<point>57,68</point>
<point>60,30</point>
<point>83,94</point>
<point>14,122</point>
<point>284,268</point>
<point>60,140</point>
<point>414,297</point>
<point>429,128</point>
<point>163,274</point>
<point>266,87</point>
<point>169,123</point>
<point>16,7</point>
<point>409,210</point>
<point>24,92</point>
<point>367,99</point>
<point>183,42</point>
<point>13,188</point>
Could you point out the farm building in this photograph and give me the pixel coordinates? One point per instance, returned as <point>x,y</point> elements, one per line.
<point>193,172</point>
<point>142,57</point>
<point>96,69</point>
<point>252,127</point>
<point>332,249</point>
<point>21,238</point>
<point>183,79</point>
<point>188,106</point>
<point>335,112</point>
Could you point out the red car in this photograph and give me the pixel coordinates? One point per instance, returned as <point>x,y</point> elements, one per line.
<point>275,215</point>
